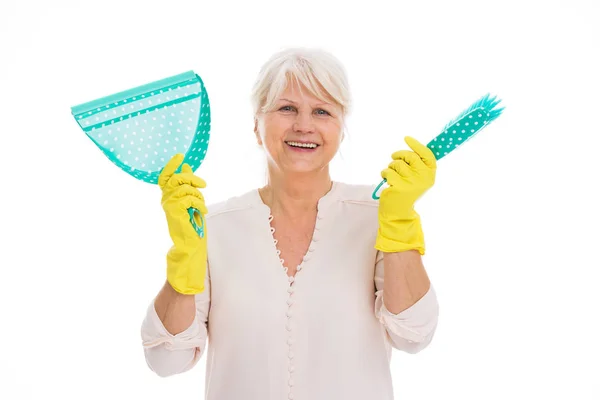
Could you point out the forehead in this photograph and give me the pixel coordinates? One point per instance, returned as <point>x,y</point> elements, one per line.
<point>296,91</point>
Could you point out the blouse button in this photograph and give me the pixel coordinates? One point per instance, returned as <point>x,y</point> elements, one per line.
<point>291,279</point>
<point>289,314</point>
<point>290,290</point>
<point>291,368</point>
<point>291,396</point>
<point>291,355</point>
<point>291,382</point>
<point>290,302</point>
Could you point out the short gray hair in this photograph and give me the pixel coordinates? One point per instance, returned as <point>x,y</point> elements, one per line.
<point>316,69</point>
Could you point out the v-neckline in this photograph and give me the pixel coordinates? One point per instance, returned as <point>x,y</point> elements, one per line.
<point>322,204</point>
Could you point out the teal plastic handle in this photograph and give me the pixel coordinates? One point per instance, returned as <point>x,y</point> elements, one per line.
<point>374,195</point>
<point>199,229</point>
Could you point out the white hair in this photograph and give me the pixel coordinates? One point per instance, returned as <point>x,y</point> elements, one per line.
<point>316,69</point>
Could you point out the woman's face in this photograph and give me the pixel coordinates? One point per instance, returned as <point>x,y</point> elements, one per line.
<point>302,133</point>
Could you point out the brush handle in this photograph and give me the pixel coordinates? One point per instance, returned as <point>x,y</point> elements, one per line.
<point>199,229</point>
<point>374,195</point>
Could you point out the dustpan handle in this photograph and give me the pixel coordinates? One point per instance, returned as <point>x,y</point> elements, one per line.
<point>199,229</point>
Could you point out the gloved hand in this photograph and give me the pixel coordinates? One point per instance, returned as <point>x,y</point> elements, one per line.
<point>187,258</point>
<point>409,175</point>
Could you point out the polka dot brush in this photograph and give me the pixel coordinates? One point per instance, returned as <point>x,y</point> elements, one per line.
<point>140,129</point>
<point>461,129</point>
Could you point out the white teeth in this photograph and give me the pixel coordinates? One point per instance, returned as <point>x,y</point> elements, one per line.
<point>305,145</point>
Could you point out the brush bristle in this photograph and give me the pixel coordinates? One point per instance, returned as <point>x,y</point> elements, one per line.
<point>485,104</point>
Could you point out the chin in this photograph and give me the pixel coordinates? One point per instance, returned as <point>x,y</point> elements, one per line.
<point>304,169</point>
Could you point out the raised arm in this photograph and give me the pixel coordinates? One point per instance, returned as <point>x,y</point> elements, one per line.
<point>174,331</point>
<point>406,303</point>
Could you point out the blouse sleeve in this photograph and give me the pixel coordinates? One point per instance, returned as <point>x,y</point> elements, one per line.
<point>167,354</point>
<point>412,329</point>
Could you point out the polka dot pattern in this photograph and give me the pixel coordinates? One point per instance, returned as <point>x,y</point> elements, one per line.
<point>459,132</point>
<point>465,126</point>
<point>140,133</point>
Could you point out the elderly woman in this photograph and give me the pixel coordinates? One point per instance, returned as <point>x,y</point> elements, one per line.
<point>301,288</point>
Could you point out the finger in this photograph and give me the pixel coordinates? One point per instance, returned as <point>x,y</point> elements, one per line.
<point>423,151</point>
<point>391,176</point>
<point>185,191</point>
<point>185,169</point>
<point>195,202</point>
<point>410,157</point>
<point>170,169</point>
<point>188,172</point>
<point>187,178</point>
<point>182,197</point>
<point>402,168</point>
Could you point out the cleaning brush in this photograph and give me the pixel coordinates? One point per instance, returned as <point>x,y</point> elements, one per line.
<point>462,128</point>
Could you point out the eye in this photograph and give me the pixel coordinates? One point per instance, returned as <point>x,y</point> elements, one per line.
<point>286,108</point>
<point>320,111</point>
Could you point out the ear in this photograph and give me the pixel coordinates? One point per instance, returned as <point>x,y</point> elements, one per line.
<point>258,139</point>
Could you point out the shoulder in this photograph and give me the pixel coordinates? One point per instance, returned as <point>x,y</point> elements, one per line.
<point>360,195</point>
<point>243,202</point>
<point>355,213</point>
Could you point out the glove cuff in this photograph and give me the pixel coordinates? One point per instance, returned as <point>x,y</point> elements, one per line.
<point>186,270</point>
<point>400,235</point>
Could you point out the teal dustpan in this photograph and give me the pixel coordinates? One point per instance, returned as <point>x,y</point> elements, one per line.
<point>140,129</point>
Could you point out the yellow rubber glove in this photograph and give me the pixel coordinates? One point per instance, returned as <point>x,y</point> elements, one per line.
<point>409,176</point>
<point>187,258</point>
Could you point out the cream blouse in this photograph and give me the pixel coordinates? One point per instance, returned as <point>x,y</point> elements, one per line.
<point>324,334</point>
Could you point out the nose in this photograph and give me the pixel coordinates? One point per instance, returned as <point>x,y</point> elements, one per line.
<point>304,123</point>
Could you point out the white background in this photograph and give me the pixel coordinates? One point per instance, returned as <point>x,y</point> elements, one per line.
<point>511,224</point>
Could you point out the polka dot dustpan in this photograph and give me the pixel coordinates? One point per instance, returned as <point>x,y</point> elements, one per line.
<point>461,129</point>
<point>140,129</point>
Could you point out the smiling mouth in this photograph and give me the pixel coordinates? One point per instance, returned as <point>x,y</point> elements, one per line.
<point>301,145</point>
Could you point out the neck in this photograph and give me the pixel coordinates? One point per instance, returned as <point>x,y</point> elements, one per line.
<point>295,195</point>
